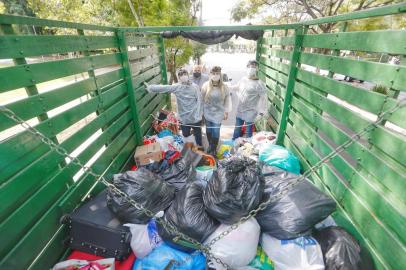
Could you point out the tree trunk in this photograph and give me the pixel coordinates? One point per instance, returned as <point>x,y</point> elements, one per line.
<point>136,16</point>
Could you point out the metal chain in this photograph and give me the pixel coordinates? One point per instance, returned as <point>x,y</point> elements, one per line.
<point>100,178</point>
<point>204,248</point>
<point>196,126</point>
<point>336,151</point>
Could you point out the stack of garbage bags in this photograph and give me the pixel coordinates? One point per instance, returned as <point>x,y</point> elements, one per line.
<point>301,206</point>
<point>145,188</point>
<point>188,214</point>
<point>281,236</point>
<point>235,189</point>
<point>177,172</point>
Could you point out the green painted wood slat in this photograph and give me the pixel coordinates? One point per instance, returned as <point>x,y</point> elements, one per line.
<point>324,174</point>
<point>389,75</point>
<point>359,97</point>
<point>41,233</point>
<point>388,246</point>
<point>142,52</point>
<point>12,228</point>
<point>30,179</point>
<point>14,46</point>
<point>29,74</point>
<point>389,212</point>
<point>391,143</point>
<point>53,251</point>
<point>383,41</point>
<point>373,164</point>
<point>289,40</point>
<point>141,92</point>
<point>285,54</point>
<point>19,145</point>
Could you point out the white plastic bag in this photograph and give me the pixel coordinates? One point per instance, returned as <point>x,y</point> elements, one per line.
<point>303,253</point>
<point>190,139</point>
<point>144,238</point>
<point>238,248</point>
<point>166,143</point>
<point>102,264</point>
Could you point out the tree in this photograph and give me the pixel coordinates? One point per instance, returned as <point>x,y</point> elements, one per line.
<point>18,7</point>
<point>85,11</point>
<point>129,13</point>
<point>179,50</point>
<point>198,50</point>
<point>287,11</point>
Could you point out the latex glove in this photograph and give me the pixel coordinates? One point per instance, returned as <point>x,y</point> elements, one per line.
<point>146,85</point>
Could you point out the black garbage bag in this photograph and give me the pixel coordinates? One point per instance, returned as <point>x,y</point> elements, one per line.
<point>341,251</point>
<point>235,189</point>
<point>188,214</point>
<point>178,173</point>
<point>145,188</point>
<point>297,211</point>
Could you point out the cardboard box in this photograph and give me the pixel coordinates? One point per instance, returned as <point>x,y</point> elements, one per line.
<point>146,154</point>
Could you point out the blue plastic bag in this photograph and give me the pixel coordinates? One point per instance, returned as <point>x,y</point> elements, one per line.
<point>164,133</point>
<point>280,157</point>
<point>163,255</point>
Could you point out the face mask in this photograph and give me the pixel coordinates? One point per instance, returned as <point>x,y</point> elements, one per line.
<point>251,72</point>
<point>197,74</point>
<point>184,78</point>
<point>215,78</point>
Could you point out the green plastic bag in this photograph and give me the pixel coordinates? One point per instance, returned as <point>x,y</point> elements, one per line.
<point>278,156</point>
<point>262,261</point>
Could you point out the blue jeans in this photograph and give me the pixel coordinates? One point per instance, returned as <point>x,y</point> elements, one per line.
<point>238,126</point>
<point>213,129</point>
<point>197,131</point>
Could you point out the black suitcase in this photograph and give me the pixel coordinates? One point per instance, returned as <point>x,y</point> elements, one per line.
<point>94,229</point>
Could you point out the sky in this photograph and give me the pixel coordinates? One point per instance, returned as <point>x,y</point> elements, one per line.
<point>218,12</point>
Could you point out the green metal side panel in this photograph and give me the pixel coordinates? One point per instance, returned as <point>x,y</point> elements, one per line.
<point>43,180</point>
<point>368,181</point>
<point>290,85</point>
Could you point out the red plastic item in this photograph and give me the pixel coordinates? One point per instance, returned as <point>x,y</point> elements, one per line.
<point>124,265</point>
<point>133,168</point>
<point>244,129</point>
<point>174,157</point>
<point>149,141</point>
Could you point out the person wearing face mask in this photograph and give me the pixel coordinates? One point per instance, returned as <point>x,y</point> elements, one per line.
<point>216,106</point>
<point>199,78</point>
<point>189,103</point>
<point>252,100</point>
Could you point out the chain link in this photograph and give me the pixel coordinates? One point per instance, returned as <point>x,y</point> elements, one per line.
<point>262,206</point>
<point>100,178</point>
<point>287,189</point>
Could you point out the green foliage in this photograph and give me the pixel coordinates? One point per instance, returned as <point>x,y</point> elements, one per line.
<point>119,13</point>
<point>198,50</point>
<point>289,11</point>
<point>86,11</point>
<point>380,89</point>
<point>18,7</point>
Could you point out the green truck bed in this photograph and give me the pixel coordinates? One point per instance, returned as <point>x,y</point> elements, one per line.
<point>95,106</point>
